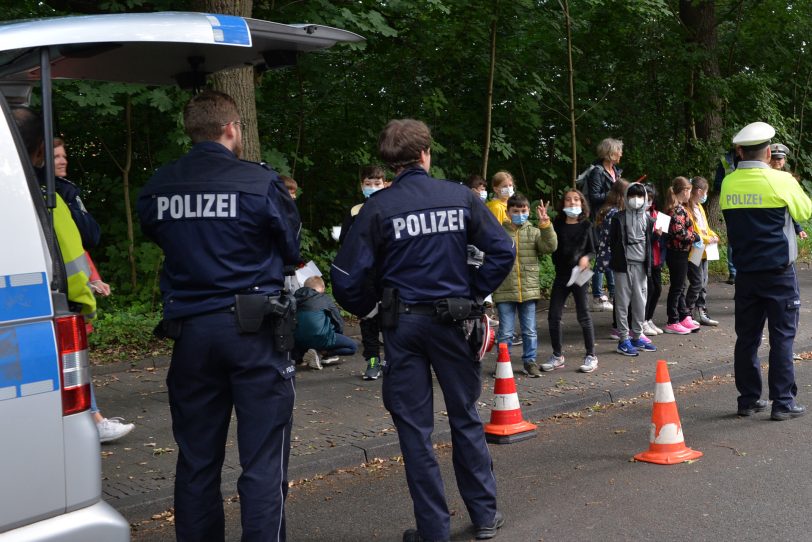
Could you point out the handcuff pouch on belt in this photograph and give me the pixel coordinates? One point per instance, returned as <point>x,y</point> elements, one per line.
<point>251,311</point>
<point>389,310</point>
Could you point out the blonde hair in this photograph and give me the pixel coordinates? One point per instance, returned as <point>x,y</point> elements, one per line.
<point>500,177</point>
<point>315,282</point>
<point>608,147</point>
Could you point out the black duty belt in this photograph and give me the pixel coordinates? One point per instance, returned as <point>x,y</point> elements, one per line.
<point>420,309</point>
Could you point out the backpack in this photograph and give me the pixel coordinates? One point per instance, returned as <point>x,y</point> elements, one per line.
<point>580,182</point>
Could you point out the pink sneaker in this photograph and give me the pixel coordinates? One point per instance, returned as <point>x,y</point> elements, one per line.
<point>676,329</point>
<point>689,324</point>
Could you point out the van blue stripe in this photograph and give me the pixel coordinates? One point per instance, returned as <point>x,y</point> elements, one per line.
<point>230,29</point>
<point>28,356</point>
<point>24,296</point>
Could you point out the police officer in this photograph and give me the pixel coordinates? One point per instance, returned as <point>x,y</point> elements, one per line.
<point>227,228</point>
<point>408,247</point>
<point>778,156</point>
<point>759,205</point>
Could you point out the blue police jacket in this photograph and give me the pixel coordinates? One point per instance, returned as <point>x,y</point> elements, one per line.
<point>413,236</point>
<point>226,226</point>
<point>89,229</point>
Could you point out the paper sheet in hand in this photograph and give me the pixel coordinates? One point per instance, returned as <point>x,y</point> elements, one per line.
<point>712,251</point>
<point>695,256</point>
<point>309,270</point>
<point>579,277</point>
<point>662,223</point>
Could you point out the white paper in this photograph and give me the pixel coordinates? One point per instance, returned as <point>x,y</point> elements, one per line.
<point>712,251</point>
<point>579,277</point>
<point>662,223</point>
<point>335,232</point>
<point>309,270</point>
<point>695,256</point>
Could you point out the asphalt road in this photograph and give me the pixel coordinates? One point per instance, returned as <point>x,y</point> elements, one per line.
<point>576,481</point>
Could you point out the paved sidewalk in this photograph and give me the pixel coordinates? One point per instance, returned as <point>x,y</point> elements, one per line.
<point>340,421</point>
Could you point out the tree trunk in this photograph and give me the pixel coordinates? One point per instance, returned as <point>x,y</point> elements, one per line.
<point>565,7</point>
<point>489,104</point>
<point>125,177</point>
<point>239,83</point>
<point>699,18</point>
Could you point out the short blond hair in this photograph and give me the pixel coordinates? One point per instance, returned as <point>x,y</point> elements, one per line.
<point>500,177</point>
<point>608,147</point>
<point>315,282</point>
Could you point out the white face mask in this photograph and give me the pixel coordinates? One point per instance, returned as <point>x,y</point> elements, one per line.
<point>506,191</point>
<point>483,195</point>
<point>635,203</point>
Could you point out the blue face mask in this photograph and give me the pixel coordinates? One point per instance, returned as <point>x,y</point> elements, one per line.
<point>369,190</point>
<point>572,212</point>
<point>519,219</point>
<point>704,199</point>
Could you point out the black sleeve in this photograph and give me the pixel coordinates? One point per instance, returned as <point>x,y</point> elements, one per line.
<point>89,229</point>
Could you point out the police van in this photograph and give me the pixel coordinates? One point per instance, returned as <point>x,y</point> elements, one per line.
<point>50,466</point>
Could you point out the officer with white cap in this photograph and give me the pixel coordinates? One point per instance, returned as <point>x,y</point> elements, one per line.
<point>759,205</point>
<point>778,156</point>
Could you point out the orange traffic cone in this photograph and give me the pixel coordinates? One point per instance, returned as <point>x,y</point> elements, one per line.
<point>666,443</point>
<point>506,424</point>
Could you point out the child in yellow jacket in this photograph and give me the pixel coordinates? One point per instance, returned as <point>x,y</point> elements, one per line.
<point>695,298</point>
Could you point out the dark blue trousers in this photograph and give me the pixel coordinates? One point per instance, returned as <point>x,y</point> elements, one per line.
<point>413,349</point>
<point>774,297</point>
<point>214,369</point>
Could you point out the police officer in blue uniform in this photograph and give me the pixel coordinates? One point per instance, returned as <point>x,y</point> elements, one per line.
<point>408,248</point>
<point>227,227</point>
<point>759,205</point>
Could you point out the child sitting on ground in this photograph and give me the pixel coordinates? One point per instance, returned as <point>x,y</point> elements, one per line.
<point>521,289</point>
<point>319,325</point>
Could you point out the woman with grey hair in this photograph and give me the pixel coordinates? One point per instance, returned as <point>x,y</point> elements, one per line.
<point>603,173</point>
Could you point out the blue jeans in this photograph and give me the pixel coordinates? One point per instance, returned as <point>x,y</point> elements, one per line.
<point>343,346</point>
<point>597,283</point>
<point>731,269</point>
<point>527,320</point>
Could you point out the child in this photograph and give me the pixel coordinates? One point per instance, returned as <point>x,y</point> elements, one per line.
<point>680,238</point>
<point>372,180</point>
<point>521,289</point>
<point>478,186</point>
<point>603,225</point>
<point>630,241</point>
<point>655,280</point>
<point>319,325</point>
<point>291,185</point>
<point>502,183</point>
<point>573,231</point>
<point>698,274</point>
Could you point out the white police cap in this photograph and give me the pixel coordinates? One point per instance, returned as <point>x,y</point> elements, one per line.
<point>754,133</point>
<point>778,150</point>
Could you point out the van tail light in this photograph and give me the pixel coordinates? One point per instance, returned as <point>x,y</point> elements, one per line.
<point>75,376</point>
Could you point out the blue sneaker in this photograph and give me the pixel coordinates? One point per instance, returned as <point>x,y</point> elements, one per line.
<point>626,348</point>
<point>644,344</point>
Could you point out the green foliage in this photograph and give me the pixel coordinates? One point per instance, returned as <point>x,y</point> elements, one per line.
<point>546,274</point>
<point>125,328</point>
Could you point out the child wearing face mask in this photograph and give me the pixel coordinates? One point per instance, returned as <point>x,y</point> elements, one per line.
<point>630,239</point>
<point>372,180</point>
<point>521,289</point>
<point>655,280</point>
<point>478,186</point>
<point>502,183</point>
<point>681,236</point>
<point>695,299</point>
<point>574,233</point>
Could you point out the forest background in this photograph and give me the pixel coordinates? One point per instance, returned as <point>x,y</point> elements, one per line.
<point>522,85</point>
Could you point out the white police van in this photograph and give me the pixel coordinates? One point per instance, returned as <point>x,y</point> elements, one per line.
<point>50,468</point>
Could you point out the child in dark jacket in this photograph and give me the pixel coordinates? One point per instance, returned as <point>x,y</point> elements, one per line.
<point>319,325</point>
<point>630,240</point>
<point>681,236</point>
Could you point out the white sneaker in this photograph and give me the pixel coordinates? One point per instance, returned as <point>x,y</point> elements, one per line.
<point>329,360</point>
<point>648,330</point>
<point>590,364</point>
<point>111,429</point>
<point>553,362</point>
<point>311,357</point>
<point>600,304</point>
<point>653,326</point>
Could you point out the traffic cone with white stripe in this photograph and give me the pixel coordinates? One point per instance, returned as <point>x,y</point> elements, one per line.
<point>506,424</point>
<point>666,443</point>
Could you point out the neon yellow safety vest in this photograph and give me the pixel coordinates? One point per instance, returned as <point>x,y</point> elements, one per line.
<point>77,267</point>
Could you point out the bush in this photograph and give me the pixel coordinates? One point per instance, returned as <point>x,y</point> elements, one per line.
<point>125,333</point>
